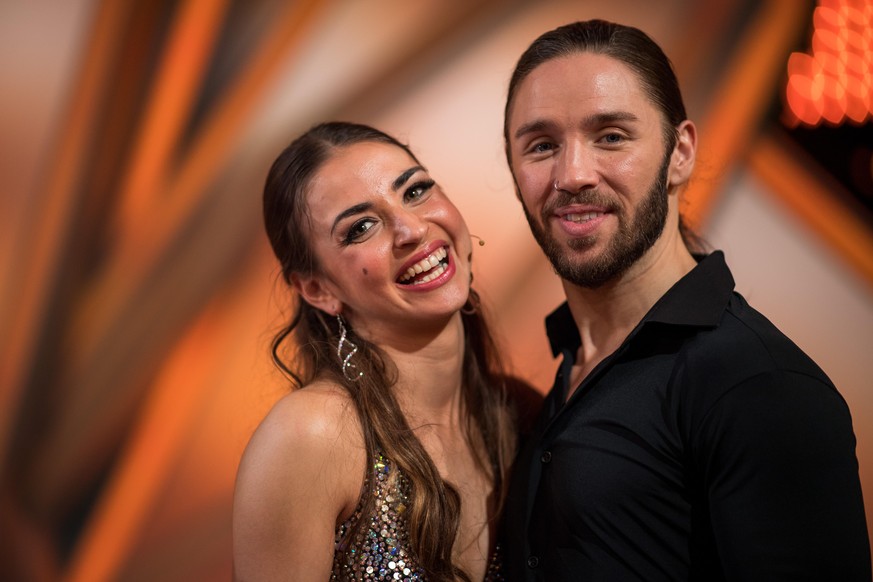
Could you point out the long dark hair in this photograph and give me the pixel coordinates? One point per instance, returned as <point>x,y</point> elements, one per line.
<point>624,43</point>
<point>434,508</point>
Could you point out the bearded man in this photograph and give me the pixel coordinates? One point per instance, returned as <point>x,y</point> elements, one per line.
<point>685,437</point>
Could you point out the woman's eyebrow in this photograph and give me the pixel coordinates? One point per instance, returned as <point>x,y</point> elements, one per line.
<point>402,178</point>
<point>351,211</point>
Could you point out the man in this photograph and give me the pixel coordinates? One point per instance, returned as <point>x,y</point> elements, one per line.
<point>685,437</point>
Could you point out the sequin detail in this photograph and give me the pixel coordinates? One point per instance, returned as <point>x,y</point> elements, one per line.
<point>380,550</point>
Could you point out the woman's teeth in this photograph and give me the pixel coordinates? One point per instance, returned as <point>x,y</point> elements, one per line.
<point>431,276</point>
<point>432,265</point>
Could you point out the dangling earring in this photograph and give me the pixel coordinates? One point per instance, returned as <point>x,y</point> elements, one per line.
<point>348,366</point>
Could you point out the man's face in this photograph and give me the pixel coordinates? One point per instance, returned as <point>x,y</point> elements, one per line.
<point>584,123</point>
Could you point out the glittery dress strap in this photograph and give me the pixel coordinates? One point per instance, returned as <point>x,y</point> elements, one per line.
<point>380,547</point>
<point>379,550</point>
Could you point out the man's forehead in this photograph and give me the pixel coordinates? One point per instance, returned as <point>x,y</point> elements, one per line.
<point>586,80</point>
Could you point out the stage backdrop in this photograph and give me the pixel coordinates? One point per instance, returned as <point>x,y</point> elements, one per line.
<point>138,292</point>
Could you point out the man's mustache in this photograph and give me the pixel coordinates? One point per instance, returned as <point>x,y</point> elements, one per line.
<point>584,197</point>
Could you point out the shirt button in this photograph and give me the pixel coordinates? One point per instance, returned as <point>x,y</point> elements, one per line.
<point>546,457</point>
<point>533,562</point>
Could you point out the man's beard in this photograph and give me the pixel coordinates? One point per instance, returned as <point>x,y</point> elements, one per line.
<point>630,242</point>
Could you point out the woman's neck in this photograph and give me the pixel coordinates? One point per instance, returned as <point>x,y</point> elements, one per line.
<point>429,376</point>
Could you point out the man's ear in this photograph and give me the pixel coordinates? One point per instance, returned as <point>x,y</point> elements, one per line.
<point>316,292</point>
<point>684,154</point>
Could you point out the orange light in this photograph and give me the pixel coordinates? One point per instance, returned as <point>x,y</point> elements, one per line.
<point>856,107</point>
<point>833,83</point>
<point>825,17</point>
<point>832,64</point>
<point>827,41</point>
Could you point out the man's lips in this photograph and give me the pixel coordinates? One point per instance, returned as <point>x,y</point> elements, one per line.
<point>580,220</point>
<point>580,217</point>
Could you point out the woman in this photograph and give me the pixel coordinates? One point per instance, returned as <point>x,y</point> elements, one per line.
<point>390,461</point>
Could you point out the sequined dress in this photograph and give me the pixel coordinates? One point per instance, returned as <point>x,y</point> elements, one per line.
<point>380,551</point>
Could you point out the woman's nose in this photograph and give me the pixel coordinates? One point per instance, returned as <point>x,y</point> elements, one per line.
<point>409,228</point>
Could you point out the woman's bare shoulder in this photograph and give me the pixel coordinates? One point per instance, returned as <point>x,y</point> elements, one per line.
<point>300,475</point>
<point>312,432</point>
<point>314,421</point>
<point>319,411</point>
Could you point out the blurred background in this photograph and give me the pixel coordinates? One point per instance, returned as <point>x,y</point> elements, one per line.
<point>139,294</point>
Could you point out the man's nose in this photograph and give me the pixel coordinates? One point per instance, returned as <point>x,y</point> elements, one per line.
<point>576,168</point>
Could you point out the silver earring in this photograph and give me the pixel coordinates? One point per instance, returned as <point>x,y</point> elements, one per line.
<point>555,186</point>
<point>348,366</point>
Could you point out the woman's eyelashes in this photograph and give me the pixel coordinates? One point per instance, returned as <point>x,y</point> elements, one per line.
<point>418,190</point>
<point>358,230</point>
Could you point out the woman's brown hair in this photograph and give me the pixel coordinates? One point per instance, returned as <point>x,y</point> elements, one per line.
<point>434,505</point>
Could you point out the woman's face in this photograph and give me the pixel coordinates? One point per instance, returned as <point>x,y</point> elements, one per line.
<point>394,251</point>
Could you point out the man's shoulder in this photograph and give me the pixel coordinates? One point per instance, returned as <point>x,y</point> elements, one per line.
<point>744,366</point>
<point>748,338</point>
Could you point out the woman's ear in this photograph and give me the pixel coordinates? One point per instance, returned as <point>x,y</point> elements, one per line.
<point>316,292</point>
<point>684,154</point>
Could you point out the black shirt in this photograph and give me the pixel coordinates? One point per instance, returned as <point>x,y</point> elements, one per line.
<point>707,447</point>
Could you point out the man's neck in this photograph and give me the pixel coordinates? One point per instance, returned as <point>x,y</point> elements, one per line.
<point>606,315</point>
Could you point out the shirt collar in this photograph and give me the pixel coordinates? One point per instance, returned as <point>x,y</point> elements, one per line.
<point>698,299</point>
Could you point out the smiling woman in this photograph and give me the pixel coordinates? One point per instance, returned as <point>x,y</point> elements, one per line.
<point>374,207</point>
<point>391,457</point>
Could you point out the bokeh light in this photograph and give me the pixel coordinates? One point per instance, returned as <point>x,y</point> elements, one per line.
<point>833,84</point>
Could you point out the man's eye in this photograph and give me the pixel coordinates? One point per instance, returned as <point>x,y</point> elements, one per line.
<point>358,229</point>
<point>542,147</point>
<point>613,138</point>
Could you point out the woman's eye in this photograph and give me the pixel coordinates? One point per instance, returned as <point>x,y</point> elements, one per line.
<point>358,229</point>
<point>418,190</point>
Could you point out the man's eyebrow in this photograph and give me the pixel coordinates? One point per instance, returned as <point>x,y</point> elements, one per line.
<point>351,211</point>
<point>610,117</point>
<point>589,121</point>
<point>532,127</point>
<point>402,178</point>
